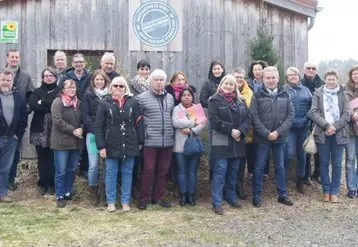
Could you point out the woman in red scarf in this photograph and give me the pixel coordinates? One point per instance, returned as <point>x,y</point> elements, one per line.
<point>177,83</point>
<point>230,121</point>
<point>66,140</point>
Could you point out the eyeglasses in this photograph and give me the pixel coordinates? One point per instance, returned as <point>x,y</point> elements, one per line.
<point>311,68</point>
<point>78,61</point>
<point>118,86</point>
<point>49,76</point>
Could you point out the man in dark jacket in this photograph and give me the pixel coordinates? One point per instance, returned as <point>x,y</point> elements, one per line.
<point>60,65</point>
<point>272,113</point>
<point>13,122</point>
<point>312,81</point>
<point>79,74</point>
<point>24,86</point>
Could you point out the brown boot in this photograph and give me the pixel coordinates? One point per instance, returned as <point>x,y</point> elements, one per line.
<point>94,195</point>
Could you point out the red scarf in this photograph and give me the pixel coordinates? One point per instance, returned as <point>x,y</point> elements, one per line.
<point>69,101</point>
<point>229,97</point>
<point>177,90</point>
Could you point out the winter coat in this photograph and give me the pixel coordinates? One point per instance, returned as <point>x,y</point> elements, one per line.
<point>312,85</point>
<point>23,84</point>
<point>157,113</point>
<point>302,100</point>
<point>64,121</point>
<point>80,83</point>
<point>352,93</point>
<point>135,87</point>
<point>90,103</point>
<point>247,93</point>
<point>271,113</point>
<point>120,130</point>
<point>169,88</point>
<point>208,89</point>
<point>253,85</point>
<point>87,81</point>
<point>318,117</point>
<point>47,93</point>
<point>182,123</point>
<point>19,120</point>
<point>223,119</point>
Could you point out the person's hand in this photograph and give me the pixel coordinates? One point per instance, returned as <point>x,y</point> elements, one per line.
<point>276,134</point>
<point>272,137</point>
<point>331,130</point>
<point>195,122</point>
<point>355,116</point>
<point>185,131</point>
<point>103,153</point>
<point>78,132</point>
<point>39,102</point>
<point>235,133</point>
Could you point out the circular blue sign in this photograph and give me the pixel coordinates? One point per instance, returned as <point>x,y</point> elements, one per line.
<point>155,23</point>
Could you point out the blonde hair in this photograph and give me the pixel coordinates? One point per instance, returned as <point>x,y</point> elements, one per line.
<point>120,79</point>
<point>293,69</point>
<point>229,78</point>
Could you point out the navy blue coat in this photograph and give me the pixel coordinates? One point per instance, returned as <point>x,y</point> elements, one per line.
<point>19,120</point>
<point>80,83</point>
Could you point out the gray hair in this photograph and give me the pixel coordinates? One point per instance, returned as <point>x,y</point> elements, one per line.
<point>108,55</point>
<point>59,54</point>
<point>7,71</point>
<point>238,70</point>
<point>159,73</point>
<point>271,69</point>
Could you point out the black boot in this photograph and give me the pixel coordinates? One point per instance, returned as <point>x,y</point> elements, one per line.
<point>240,190</point>
<point>182,200</point>
<point>300,185</point>
<point>191,199</point>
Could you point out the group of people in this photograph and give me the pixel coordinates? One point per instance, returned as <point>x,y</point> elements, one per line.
<point>140,128</point>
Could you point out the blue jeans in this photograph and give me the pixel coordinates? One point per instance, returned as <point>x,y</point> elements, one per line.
<point>66,162</point>
<point>7,151</point>
<point>16,160</point>
<point>93,168</point>
<point>330,151</point>
<point>187,172</point>
<point>351,167</point>
<point>225,180</point>
<point>126,179</point>
<point>263,150</point>
<point>296,138</point>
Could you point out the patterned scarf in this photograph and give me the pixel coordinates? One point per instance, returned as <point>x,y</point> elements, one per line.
<point>143,82</point>
<point>101,92</point>
<point>230,98</point>
<point>333,108</point>
<point>68,101</point>
<point>177,90</point>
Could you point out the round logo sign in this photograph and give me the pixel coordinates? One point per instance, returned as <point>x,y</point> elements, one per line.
<point>155,23</point>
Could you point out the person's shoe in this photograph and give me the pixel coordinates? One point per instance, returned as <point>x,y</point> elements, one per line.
<point>334,199</point>
<point>300,186</point>
<point>94,195</point>
<point>307,181</point>
<point>126,207</point>
<point>235,204</point>
<point>191,199</point>
<point>317,178</point>
<point>12,186</point>
<point>326,197</point>
<point>256,201</point>
<point>51,190</point>
<point>240,190</point>
<point>42,190</point>
<point>352,194</point>
<point>111,208</point>
<point>218,210</point>
<point>182,200</point>
<point>60,202</point>
<point>5,199</point>
<point>266,177</point>
<point>162,203</point>
<point>68,197</point>
<point>142,205</point>
<point>285,201</point>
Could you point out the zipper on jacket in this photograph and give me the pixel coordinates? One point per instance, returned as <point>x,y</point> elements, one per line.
<point>111,113</point>
<point>232,120</point>
<point>106,136</point>
<point>162,112</point>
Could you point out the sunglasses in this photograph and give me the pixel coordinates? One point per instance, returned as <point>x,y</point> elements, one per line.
<point>118,86</point>
<point>311,68</point>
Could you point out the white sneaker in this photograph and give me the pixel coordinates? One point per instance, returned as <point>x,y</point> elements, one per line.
<point>126,207</point>
<point>111,208</point>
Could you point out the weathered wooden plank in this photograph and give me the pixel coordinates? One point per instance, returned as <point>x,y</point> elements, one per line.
<point>176,45</point>
<point>229,22</point>
<point>76,20</point>
<point>294,6</point>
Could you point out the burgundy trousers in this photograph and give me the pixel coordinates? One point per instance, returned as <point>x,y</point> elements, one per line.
<point>156,164</point>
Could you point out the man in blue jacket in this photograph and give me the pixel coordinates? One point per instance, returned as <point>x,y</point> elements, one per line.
<point>13,122</point>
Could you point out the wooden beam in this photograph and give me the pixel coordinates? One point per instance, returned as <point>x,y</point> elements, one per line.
<point>294,6</point>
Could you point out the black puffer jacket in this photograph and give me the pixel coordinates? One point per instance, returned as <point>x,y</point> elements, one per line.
<point>209,89</point>
<point>119,130</point>
<point>312,85</point>
<point>223,118</point>
<point>270,113</point>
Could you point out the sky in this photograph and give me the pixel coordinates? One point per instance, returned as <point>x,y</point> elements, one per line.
<point>335,33</point>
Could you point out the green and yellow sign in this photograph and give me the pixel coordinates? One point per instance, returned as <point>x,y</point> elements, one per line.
<point>9,32</point>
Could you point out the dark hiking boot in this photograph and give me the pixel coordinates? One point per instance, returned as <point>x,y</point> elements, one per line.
<point>182,200</point>
<point>240,190</point>
<point>192,199</point>
<point>285,201</point>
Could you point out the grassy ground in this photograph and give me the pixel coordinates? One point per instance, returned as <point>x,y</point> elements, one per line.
<point>33,220</point>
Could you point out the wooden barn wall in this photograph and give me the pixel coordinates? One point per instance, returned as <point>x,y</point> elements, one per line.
<point>212,29</point>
